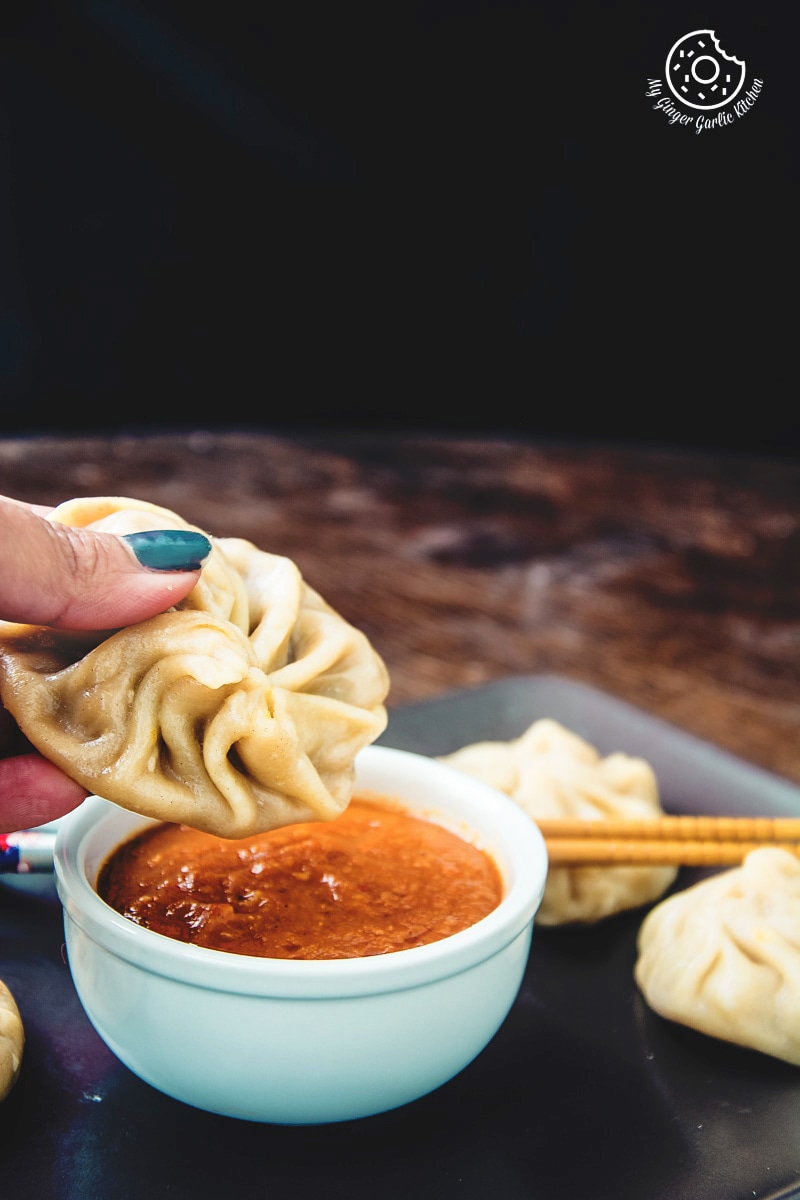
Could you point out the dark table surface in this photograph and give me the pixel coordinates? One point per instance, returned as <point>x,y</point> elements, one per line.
<point>497,577</point>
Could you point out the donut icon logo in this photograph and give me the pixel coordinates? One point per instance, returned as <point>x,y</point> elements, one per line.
<point>700,74</point>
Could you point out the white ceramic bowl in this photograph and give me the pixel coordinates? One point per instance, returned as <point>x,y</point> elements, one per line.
<point>301,1041</point>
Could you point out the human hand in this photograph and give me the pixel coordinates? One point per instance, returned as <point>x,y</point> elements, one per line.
<point>67,578</point>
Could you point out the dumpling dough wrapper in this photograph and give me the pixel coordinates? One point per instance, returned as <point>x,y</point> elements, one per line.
<point>12,1041</point>
<point>723,956</point>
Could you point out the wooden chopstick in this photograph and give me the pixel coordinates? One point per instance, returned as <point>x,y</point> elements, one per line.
<point>666,841</point>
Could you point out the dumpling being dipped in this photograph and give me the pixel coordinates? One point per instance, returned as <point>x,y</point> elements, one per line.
<point>723,956</point>
<point>240,710</point>
<point>552,772</point>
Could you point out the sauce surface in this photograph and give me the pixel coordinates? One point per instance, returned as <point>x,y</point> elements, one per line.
<point>372,881</point>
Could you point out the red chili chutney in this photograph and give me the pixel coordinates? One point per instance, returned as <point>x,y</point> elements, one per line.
<point>374,880</point>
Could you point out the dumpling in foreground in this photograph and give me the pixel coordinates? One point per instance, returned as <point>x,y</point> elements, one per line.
<point>12,1041</point>
<point>238,711</point>
<point>723,956</point>
<point>551,772</point>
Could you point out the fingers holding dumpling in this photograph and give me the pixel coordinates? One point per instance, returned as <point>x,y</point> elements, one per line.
<point>239,710</point>
<point>220,590</point>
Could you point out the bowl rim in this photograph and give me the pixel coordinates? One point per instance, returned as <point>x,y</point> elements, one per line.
<point>519,850</point>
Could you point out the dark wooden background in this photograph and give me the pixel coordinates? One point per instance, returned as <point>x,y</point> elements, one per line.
<point>667,578</point>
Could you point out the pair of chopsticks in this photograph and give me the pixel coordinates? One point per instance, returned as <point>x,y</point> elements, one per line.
<point>665,841</point>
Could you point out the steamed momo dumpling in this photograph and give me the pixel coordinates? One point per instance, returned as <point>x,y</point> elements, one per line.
<point>723,956</point>
<point>551,772</point>
<point>240,710</point>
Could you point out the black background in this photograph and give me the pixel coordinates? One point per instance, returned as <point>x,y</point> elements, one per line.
<point>450,214</point>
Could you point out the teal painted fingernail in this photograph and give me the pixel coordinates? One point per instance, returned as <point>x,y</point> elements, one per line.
<point>169,549</point>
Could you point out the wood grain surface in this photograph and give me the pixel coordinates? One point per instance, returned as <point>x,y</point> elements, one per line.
<point>670,579</point>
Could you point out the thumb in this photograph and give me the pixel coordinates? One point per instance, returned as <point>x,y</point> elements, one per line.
<point>51,574</point>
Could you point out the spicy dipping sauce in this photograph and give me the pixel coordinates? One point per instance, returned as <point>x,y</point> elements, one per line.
<point>374,880</point>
